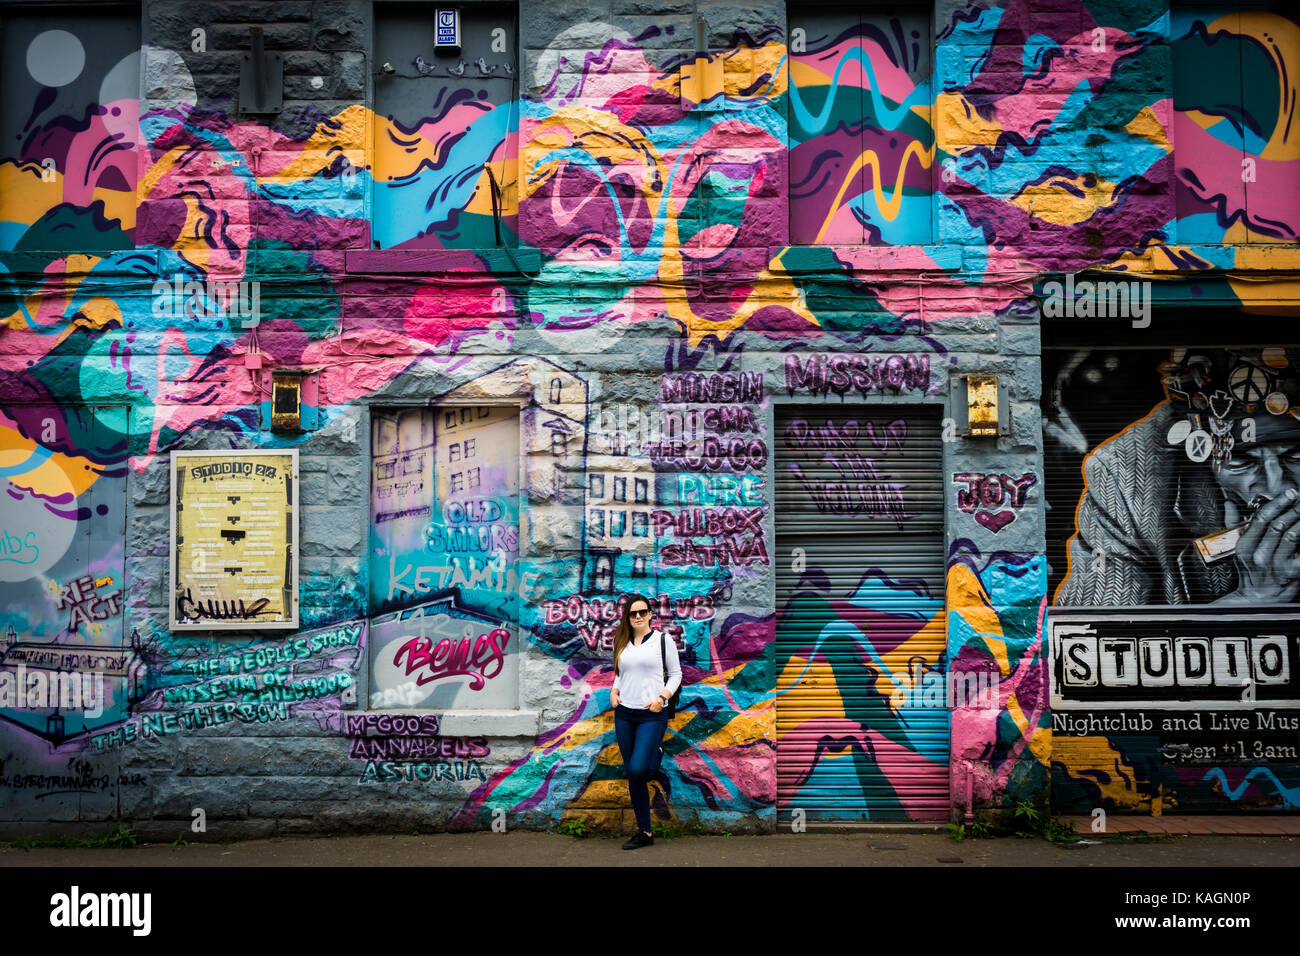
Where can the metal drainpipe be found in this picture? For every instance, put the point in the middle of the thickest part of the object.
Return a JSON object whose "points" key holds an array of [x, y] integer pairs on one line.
{"points": [[970, 790]]}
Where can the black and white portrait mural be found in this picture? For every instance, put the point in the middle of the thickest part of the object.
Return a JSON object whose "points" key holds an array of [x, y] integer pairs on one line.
{"points": [[1174, 476]]}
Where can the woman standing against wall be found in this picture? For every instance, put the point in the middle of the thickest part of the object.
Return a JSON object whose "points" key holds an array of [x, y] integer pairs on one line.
{"points": [[647, 676]]}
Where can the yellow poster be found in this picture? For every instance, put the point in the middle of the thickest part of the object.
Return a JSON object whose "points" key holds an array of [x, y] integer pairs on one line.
{"points": [[235, 529]]}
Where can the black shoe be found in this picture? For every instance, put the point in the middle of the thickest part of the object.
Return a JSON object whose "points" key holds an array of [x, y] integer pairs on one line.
{"points": [[641, 839]]}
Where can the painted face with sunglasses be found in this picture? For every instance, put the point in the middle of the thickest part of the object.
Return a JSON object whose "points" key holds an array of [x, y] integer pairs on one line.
{"points": [[647, 673]]}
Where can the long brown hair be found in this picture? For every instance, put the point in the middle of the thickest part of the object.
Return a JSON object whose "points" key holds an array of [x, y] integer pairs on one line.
{"points": [[624, 632]]}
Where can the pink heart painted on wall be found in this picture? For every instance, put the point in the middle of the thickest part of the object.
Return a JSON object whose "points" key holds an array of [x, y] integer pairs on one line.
{"points": [[995, 521]]}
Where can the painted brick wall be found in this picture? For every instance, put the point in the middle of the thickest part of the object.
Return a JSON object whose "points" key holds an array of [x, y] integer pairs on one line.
{"points": [[647, 201]]}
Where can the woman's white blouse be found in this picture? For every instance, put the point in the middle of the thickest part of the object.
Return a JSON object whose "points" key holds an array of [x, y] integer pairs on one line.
{"points": [[641, 672]]}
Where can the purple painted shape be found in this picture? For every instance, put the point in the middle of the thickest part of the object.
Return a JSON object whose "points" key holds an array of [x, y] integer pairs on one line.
{"points": [[744, 638], [159, 222], [995, 521]]}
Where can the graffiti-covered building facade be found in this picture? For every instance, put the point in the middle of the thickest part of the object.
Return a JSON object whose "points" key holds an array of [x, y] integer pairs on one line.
{"points": [[929, 368]]}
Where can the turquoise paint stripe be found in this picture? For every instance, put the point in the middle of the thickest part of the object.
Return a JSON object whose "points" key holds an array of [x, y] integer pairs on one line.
{"points": [[449, 187], [39, 455], [890, 115]]}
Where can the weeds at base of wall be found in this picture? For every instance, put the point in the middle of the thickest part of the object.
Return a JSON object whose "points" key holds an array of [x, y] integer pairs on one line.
{"points": [[1027, 821], [579, 827], [976, 831], [671, 831], [1033, 821], [121, 838]]}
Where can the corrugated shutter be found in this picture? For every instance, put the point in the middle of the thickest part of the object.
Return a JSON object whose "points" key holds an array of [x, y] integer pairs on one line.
{"points": [[1126, 539], [860, 598], [1091, 396]]}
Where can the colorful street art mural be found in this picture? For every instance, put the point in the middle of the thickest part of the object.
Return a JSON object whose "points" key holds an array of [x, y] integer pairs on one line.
{"points": [[1237, 143], [861, 143], [628, 242], [63, 568], [440, 122], [1175, 489], [860, 627], [717, 755], [1001, 737]]}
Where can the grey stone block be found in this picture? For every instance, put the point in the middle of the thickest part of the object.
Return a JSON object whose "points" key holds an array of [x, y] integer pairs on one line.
{"points": [[1020, 338], [330, 530], [349, 75]]}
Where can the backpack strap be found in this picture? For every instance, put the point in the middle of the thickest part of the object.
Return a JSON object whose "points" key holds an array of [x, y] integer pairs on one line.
{"points": [[671, 707]]}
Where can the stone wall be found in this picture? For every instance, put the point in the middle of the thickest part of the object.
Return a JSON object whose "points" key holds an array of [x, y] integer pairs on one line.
{"points": [[650, 192]]}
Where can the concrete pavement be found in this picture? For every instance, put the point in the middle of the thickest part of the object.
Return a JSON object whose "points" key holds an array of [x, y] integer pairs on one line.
{"points": [[815, 848]]}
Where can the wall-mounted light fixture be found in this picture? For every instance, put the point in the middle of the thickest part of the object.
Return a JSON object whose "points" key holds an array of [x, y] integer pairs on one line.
{"points": [[982, 406], [286, 402]]}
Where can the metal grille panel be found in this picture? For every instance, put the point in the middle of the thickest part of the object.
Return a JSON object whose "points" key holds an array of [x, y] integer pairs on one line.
{"points": [[860, 625]]}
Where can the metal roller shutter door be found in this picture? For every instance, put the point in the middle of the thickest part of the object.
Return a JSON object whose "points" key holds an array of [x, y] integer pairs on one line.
{"points": [[860, 613], [1124, 566]]}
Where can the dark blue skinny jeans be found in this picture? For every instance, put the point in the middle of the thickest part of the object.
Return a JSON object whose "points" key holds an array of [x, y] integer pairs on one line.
{"points": [[639, 734]]}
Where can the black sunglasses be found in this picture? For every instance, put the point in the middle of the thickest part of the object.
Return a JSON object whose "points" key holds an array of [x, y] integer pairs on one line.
{"points": [[638, 613]]}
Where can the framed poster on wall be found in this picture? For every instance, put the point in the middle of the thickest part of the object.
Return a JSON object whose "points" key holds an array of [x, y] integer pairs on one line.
{"points": [[234, 540]]}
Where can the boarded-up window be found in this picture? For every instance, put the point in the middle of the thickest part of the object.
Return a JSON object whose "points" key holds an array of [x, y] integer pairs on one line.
{"points": [[439, 117], [70, 127], [444, 561], [1236, 132], [860, 135]]}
